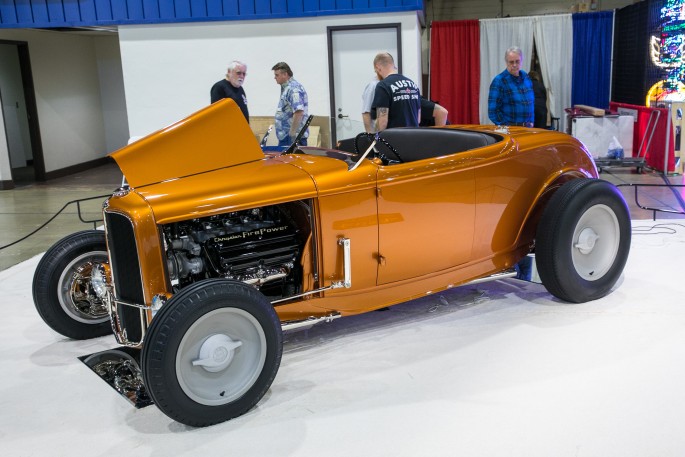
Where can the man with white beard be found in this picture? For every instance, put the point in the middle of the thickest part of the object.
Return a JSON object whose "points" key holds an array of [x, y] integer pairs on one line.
{"points": [[232, 87]]}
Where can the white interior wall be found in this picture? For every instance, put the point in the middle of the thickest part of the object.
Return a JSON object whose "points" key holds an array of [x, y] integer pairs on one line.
{"points": [[170, 68], [112, 96], [67, 89]]}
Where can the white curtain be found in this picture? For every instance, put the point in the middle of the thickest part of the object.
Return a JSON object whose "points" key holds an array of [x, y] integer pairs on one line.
{"points": [[496, 36], [554, 44]]}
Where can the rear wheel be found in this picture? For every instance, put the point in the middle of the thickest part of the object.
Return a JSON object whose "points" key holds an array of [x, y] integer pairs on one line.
{"points": [[212, 352], [583, 240], [62, 291]]}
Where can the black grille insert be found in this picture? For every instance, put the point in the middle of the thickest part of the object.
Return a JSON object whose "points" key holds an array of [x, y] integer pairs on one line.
{"points": [[125, 273]]}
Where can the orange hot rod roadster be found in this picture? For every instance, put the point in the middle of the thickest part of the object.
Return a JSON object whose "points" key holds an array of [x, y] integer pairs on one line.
{"points": [[213, 248]]}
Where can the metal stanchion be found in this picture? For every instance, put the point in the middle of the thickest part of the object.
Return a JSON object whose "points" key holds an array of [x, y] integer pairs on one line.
{"points": [[668, 138]]}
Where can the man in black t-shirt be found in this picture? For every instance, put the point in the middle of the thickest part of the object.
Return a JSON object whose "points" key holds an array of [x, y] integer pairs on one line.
{"points": [[232, 87], [397, 98], [432, 114]]}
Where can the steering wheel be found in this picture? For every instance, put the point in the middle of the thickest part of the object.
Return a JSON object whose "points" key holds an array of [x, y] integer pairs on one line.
{"points": [[383, 157], [360, 136]]}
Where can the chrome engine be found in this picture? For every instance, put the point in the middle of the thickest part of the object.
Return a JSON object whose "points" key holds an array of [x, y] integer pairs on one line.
{"points": [[260, 246]]}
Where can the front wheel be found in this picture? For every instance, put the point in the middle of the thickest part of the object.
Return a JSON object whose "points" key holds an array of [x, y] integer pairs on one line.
{"points": [[583, 240], [212, 352], [62, 291]]}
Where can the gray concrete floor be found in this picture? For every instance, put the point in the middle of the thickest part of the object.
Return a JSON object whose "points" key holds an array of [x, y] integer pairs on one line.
{"points": [[640, 195], [31, 204]]}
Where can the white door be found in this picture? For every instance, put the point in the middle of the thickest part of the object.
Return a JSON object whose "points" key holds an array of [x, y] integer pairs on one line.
{"points": [[352, 56]]}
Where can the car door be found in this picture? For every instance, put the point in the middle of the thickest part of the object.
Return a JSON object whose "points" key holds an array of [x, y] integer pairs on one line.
{"points": [[426, 214]]}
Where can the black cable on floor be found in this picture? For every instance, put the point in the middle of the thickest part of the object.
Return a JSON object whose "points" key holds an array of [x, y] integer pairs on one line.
{"points": [[667, 228], [77, 202]]}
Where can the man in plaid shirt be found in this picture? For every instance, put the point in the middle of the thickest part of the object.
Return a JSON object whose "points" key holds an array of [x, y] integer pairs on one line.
{"points": [[511, 100]]}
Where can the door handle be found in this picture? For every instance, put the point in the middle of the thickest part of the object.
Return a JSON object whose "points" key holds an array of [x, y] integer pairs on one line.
{"points": [[341, 115]]}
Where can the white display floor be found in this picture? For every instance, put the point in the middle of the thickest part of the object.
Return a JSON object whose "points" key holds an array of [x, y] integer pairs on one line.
{"points": [[496, 369]]}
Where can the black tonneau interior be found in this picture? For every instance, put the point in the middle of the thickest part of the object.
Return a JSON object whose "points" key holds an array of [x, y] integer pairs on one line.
{"points": [[416, 143]]}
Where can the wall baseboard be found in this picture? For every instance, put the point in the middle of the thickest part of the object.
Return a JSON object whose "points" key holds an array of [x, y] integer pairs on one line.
{"points": [[77, 168], [6, 185]]}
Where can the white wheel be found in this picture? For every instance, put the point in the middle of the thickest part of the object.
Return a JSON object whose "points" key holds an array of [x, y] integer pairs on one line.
{"points": [[583, 240], [211, 352], [596, 239], [221, 356]]}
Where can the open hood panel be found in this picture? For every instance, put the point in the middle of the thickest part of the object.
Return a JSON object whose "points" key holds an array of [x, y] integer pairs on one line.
{"points": [[215, 137]]}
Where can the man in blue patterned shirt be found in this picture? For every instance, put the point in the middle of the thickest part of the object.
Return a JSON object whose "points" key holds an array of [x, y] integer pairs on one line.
{"points": [[511, 100], [293, 106]]}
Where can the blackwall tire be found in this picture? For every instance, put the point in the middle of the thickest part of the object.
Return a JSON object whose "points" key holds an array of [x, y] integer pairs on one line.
{"points": [[212, 352], [583, 240], [61, 286]]}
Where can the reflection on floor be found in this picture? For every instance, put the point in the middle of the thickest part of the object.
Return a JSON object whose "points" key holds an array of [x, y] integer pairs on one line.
{"points": [[120, 369], [495, 369]]}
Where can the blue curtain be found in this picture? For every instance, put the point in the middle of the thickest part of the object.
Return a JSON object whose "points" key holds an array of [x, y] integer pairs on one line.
{"points": [[592, 34]]}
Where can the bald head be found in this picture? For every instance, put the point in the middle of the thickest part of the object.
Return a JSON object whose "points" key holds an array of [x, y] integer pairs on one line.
{"points": [[384, 64]]}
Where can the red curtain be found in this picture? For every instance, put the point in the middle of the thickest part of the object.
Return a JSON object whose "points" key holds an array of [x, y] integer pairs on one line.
{"points": [[455, 69]]}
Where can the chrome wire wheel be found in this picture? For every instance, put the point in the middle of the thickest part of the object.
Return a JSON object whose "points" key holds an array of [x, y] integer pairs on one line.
{"points": [[74, 292], [62, 288]]}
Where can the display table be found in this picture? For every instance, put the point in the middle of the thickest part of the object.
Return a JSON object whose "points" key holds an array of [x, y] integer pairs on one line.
{"points": [[654, 155], [596, 132]]}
